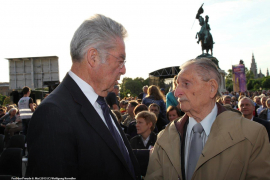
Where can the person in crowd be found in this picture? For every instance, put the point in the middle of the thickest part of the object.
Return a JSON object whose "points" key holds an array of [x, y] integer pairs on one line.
{"points": [[219, 100], [161, 122], [257, 103], [16, 127], [119, 119], [8, 118], [234, 102], [130, 114], [236, 148], [155, 96], [112, 99], [2, 112], [265, 114], [9, 107], [144, 93], [123, 105], [145, 124], [246, 107], [263, 106], [226, 99], [131, 130], [240, 97], [73, 133], [171, 100], [173, 113], [26, 108], [162, 90]]}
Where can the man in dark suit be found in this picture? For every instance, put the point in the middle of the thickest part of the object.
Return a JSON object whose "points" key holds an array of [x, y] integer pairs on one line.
{"points": [[246, 106], [73, 133]]}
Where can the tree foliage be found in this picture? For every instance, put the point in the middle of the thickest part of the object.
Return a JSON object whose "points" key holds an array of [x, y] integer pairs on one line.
{"points": [[132, 86], [2, 98], [7, 100], [252, 84]]}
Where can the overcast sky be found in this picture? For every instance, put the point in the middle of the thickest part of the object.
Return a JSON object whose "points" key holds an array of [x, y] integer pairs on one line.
{"points": [[160, 32]]}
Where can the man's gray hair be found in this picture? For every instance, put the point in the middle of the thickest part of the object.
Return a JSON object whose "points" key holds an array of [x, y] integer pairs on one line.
{"points": [[226, 96], [99, 32], [144, 87], [250, 100], [207, 69], [12, 109]]}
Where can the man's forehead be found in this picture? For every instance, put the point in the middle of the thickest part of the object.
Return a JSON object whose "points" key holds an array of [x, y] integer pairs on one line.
{"points": [[186, 71]]}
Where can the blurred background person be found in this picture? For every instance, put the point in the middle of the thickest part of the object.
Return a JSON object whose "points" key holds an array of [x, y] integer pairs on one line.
{"points": [[265, 114], [112, 99], [173, 113], [161, 122], [154, 95], [263, 106], [8, 118], [246, 107], [171, 100], [144, 93]]}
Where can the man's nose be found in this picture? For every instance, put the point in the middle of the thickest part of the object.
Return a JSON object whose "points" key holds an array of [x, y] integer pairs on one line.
{"points": [[178, 91], [123, 70]]}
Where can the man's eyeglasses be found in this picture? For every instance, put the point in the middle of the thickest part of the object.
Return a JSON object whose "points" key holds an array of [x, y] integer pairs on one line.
{"points": [[122, 62]]}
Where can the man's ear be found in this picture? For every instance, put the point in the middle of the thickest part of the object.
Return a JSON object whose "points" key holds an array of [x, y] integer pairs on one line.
{"points": [[213, 87], [92, 57]]}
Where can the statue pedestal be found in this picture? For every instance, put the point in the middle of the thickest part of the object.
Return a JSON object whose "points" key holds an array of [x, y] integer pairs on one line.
{"points": [[222, 73]]}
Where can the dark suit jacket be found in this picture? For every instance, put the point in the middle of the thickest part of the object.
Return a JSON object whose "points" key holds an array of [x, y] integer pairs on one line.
{"points": [[265, 123], [137, 143], [67, 138], [263, 114]]}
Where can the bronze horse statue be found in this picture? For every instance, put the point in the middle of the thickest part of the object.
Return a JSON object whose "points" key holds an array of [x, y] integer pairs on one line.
{"points": [[205, 37]]}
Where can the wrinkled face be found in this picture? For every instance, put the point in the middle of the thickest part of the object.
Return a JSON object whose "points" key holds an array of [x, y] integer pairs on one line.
{"points": [[246, 108], [109, 72], [173, 115], [227, 101], [154, 110], [142, 126], [191, 91]]}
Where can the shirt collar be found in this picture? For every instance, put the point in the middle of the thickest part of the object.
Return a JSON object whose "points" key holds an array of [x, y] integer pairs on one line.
{"points": [[206, 122], [85, 87]]}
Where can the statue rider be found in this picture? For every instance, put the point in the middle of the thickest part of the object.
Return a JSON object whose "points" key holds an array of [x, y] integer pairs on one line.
{"points": [[205, 29]]}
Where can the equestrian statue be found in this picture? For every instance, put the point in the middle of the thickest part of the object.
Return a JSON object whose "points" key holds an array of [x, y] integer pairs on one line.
{"points": [[205, 37]]}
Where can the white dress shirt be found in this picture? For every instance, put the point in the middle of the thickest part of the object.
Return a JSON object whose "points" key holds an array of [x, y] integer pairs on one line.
{"points": [[92, 96], [146, 140], [206, 124]]}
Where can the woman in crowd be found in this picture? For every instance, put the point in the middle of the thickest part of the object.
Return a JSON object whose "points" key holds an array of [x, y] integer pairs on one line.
{"points": [[11, 129], [155, 96], [145, 124], [171, 100], [8, 118], [173, 113]]}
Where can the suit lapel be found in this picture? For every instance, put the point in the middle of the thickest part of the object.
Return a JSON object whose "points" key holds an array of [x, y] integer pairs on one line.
{"points": [[225, 132], [93, 118]]}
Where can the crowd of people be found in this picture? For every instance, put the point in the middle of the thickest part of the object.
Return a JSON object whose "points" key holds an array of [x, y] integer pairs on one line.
{"points": [[82, 130]]}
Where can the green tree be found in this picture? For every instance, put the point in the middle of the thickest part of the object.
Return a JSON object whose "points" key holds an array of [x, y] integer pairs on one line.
{"points": [[266, 83], [132, 86], [2, 98], [7, 101], [228, 81]]}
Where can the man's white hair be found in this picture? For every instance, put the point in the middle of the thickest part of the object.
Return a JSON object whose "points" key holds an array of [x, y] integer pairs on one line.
{"points": [[207, 69], [99, 32]]}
